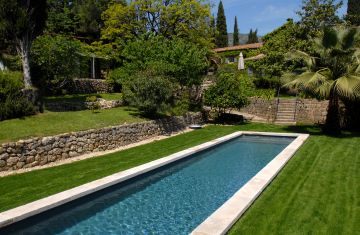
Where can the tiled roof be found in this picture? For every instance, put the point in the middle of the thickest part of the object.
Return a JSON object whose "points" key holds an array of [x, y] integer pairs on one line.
{"points": [[239, 47]]}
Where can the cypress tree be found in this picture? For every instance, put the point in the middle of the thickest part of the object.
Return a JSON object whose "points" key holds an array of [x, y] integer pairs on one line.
{"points": [[353, 12], [236, 33], [221, 39], [253, 38], [250, 37], [213, 27]]}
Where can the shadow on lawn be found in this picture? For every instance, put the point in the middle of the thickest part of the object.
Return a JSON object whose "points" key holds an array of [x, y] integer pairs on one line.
{"points": [[316, 130]]}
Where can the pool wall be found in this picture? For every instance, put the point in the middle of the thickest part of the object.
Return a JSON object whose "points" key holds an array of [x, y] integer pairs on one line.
{"points": [[218, 223]]}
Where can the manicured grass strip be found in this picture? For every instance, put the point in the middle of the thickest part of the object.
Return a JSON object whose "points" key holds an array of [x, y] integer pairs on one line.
{"points": [[52, 123], [318, 192]]}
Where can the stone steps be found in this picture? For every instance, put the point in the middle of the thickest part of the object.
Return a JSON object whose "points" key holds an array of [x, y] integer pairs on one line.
{"points": [[285, 112]]}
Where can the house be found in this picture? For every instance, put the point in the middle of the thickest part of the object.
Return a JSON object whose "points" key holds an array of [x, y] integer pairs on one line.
{"points": [[231, 54]]}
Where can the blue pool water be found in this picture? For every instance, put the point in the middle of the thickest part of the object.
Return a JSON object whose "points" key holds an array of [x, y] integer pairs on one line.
{"points": [[172, 200]]}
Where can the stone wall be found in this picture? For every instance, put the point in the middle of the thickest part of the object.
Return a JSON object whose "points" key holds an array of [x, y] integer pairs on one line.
{"points": [[307, 110], [311, 111], [88, 86], [41, 151], [63, 106], [262, 108]]}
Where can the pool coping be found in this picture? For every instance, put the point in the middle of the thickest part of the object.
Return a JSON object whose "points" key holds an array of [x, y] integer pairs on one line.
{"points": [[218, 223]]}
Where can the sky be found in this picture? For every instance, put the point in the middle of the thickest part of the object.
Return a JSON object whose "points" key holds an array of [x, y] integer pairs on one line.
{"points": [[264, 15]]}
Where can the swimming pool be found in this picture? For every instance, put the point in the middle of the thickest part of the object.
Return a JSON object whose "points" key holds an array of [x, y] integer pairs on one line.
{"points": [[172, 199]]}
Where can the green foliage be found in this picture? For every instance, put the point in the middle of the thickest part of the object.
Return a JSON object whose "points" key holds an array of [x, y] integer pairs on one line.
{"points": [[315, 14], [353, 12], [276, 44], [253, 38], [267, 82], [80, 18], [229, 92], [221, 39], [12, 102], [150, 94], [188, 20], [93, 103], [333, 72], [55, 60], [181, 61], [236, 33], [20, 23], [61, 18]]}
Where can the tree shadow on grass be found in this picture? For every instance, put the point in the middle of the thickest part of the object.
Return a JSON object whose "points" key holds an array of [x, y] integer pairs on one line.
{"points": [[316, 130]]}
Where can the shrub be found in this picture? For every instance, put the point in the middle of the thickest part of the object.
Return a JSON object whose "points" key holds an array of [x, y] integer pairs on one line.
{"points": [[150, 94], [13, 104], [93, 103], [267, 82], [229, 92]]}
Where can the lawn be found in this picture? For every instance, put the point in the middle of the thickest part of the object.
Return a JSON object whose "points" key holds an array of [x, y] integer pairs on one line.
{"points": [[52, 123], [316, 193]]}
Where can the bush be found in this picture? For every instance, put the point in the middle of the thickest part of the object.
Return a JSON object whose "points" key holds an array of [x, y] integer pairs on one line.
{"points": [[267, 82], [150, 94], [229, 92], [13, 104]]}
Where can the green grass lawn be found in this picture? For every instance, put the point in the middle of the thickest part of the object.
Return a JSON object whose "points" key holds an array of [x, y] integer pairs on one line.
{"points": [[52, 123], [318, 192], [82, 97]]}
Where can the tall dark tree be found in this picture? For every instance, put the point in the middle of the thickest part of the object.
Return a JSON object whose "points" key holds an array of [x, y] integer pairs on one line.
{"points": [[213, 27], [21, 21], [236, 33], [221, 39], [89, 14], [61, 17], [253, 38], [353, 12]]}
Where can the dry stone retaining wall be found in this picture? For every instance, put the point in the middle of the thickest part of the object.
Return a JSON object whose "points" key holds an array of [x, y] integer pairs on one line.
{"points": [[62, 106], [40, 151], [88, 86], [307, 110]]}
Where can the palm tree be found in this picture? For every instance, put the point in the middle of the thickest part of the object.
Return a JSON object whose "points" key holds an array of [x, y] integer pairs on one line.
{"points": [[334, 73]]}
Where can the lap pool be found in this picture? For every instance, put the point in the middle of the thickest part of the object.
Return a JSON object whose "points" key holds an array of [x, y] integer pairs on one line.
{"points": [[172, 199]]}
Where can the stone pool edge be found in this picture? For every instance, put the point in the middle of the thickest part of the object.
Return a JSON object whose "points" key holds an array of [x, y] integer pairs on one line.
{"points": [[36, 207], [220, 221]]}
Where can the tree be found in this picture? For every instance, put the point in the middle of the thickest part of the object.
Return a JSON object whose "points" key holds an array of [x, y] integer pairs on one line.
{"points": [[253, 38], [213, 27], [61, 18], [353, 12], [21, 22], [55, 61], [221, 39], [315, 14], [333, 72], [288, 37], [188, 19], [229, 92], [236, 33]]}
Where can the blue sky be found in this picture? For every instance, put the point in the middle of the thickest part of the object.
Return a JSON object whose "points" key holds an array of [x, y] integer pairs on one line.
{"points": [[265, 15]]}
